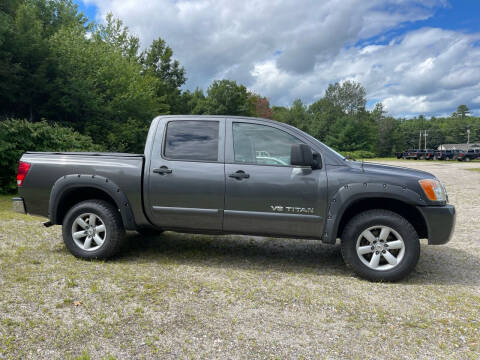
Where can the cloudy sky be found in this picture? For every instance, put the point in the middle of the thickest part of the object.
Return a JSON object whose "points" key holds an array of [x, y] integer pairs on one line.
{"points": [[414, 56]]}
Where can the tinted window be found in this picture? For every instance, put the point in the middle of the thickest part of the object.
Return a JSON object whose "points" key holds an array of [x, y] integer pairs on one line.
{"points": [[260, 144], [192, 140]]}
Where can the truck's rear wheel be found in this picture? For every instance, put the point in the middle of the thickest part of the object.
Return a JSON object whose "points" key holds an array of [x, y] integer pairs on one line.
{"points": [[93, 229], [380, 245]]}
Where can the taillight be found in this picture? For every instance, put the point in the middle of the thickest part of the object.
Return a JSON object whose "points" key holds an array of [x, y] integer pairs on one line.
{"points": [[23, 168]]}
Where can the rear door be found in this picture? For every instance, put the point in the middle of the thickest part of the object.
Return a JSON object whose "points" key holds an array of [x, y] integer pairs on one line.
{"points": [[186, 174], [264, 193]]}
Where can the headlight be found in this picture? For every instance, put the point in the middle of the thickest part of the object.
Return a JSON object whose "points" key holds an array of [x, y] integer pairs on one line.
{"points": [[433, 189]]}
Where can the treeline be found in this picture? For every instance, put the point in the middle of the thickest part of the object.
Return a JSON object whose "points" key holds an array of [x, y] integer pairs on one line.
{"points": [[95, 79]]}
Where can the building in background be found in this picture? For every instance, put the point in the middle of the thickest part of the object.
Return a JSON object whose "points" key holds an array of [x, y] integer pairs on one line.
{"points": [[463, 147]]}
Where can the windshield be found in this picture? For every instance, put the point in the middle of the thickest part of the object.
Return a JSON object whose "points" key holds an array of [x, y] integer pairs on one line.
{"points": [[335, 152], [328, 147]]}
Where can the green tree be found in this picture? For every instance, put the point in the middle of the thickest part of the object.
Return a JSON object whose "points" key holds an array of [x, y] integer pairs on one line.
{"points": [[281, 113], [462, 111], [26, 66], [348, 96], [299, 116], [18, 136], [352, 133], [387, 127], [158, 61], [324, 114], [114, 33], [101, 92], [194, 102], [226, 97], [296, 115]]}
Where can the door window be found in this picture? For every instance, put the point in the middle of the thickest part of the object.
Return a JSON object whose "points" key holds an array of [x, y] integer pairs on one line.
{"points": [[192, 140], [261, 144]]}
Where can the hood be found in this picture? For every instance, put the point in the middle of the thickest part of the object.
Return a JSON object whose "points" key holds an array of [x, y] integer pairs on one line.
{"points": [[396, 170], [399, 173]]}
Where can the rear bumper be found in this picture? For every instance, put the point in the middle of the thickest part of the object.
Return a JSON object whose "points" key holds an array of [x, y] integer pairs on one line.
{"points": [[440, 223], [18, 205]]}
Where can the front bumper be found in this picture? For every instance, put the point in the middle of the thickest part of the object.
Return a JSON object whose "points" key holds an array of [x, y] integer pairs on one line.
{"points": [[440, 223], [18, 205]]}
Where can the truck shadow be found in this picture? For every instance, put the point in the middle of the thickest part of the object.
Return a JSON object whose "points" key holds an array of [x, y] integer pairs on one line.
{"points": [[437, 265]]}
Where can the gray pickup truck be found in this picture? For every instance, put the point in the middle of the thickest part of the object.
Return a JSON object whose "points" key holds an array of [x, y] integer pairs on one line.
{"points": [[238, 175]]}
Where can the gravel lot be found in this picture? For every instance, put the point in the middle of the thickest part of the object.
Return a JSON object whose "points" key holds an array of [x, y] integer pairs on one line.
{"points": [[188, 296]]}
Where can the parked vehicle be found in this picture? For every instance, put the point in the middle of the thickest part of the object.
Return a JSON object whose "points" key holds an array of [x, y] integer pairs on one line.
{"points": [[413, 154], [469, 155], [400, 154], [208, 174], [446, 154], [428, 154]]}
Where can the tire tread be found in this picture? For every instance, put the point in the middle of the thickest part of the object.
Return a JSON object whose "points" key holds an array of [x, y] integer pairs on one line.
{"points": [[379, 216], [116, 232]]}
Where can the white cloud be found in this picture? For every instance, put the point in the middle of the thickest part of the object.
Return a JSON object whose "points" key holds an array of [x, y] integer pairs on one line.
{"points": [[293, 49]]}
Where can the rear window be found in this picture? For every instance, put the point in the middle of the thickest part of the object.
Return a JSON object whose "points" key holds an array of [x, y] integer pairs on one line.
{"points": [[192, 140]]}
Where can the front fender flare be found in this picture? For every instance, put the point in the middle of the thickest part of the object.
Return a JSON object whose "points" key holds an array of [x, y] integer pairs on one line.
{"points": [[348, 194], [67, 183]]}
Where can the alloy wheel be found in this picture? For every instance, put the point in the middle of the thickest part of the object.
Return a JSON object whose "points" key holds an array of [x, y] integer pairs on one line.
{"points": [[89, 232], [380, 248]]}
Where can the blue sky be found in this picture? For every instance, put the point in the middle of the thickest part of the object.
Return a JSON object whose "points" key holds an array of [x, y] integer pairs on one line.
{"points": [[459, 15], [90, 10], [413, 56]]}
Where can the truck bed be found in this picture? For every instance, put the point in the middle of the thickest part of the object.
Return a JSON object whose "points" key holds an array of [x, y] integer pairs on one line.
{"points": [[123, 169], [110, 154]]}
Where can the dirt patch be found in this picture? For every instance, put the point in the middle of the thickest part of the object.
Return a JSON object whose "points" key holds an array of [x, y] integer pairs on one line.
{"points": [[188, 296]]}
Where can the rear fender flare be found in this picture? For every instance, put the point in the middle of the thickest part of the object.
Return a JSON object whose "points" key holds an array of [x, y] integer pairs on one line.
{"points": [[67, 183], [348, 194]]}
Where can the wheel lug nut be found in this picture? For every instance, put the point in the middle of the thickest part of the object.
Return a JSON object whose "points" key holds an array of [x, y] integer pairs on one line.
{"points": [[384, 251], [373, 247], [376, 252], [386, 245], [374, 241]]}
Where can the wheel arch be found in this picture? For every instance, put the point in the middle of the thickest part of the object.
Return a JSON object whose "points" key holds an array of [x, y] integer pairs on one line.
{"points": [[409, 212], [352, 199], [72, 189]]}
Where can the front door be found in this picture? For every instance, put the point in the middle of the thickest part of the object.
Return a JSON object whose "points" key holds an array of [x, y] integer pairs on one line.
{"points": [[186, 175], [264, 193]]}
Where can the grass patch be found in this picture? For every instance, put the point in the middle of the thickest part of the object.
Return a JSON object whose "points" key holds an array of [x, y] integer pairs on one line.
{"points": [[474, 169]]}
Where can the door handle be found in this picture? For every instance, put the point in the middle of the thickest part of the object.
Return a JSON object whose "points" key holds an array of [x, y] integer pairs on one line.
{"points": [[162, 170], [239, 175]]}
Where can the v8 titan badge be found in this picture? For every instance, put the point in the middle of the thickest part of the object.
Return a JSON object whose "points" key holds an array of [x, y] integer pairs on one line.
{"points": [[292, 209]]}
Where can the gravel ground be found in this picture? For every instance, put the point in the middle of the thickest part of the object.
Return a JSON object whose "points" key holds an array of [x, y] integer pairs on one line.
{"points": [[188, 296]]}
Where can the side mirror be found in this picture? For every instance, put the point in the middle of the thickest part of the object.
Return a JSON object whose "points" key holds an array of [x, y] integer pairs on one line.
{"points": [[301, 155], [317, 161]]}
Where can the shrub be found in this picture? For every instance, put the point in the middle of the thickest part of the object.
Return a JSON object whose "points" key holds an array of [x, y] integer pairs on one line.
{"points": [[18, 136], [358, 154]]}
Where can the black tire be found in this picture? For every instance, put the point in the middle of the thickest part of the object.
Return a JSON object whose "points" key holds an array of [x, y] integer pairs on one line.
{"points": [[109, 215], [149, 232], [380, 217]]}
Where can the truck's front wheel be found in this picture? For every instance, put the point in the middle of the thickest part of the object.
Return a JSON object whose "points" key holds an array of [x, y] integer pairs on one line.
{"points": [[93, 229], [380, 245]]}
